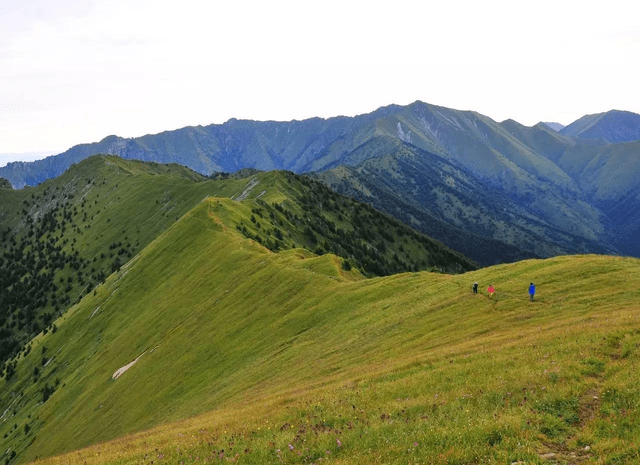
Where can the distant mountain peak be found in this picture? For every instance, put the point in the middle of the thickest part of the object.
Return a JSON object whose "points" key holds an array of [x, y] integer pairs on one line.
{"points": [[612, 126], [555, 126]]}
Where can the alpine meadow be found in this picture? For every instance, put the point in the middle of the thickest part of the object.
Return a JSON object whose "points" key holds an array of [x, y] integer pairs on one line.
{"points": [[177, 313]]}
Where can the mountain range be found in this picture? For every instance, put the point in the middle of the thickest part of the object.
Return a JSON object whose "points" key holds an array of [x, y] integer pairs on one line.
{"points": [[494, 191]]}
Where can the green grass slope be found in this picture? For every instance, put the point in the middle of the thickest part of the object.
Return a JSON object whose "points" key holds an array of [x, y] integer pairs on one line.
{"points": [[62, 238], [292, 359]]}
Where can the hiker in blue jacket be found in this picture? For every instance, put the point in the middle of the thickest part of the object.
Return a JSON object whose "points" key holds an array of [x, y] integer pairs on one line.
{"points": [[532, 291]]}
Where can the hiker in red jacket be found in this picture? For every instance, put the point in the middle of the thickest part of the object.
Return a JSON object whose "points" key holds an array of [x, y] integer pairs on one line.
{"points": [[491, 290]]}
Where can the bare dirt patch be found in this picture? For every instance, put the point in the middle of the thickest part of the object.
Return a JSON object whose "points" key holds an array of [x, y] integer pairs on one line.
{"points": [[121, 370]]}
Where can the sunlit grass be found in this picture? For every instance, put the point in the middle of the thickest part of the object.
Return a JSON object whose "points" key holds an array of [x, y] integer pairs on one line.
{"points": [[263, 358]]}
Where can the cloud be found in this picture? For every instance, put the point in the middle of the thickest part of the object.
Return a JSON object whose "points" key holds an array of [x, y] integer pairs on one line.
{"points": [[75, 71]]}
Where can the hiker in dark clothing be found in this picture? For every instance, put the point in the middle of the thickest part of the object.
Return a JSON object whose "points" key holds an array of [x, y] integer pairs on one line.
{"points": [[532, 291], [475, 288]]}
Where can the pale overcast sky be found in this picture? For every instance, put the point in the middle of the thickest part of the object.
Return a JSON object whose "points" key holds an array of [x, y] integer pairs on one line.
{"points": [[75, 71]]}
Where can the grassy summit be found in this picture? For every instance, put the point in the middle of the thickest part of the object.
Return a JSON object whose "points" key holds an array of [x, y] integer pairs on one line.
{"points": [[263, 357]]}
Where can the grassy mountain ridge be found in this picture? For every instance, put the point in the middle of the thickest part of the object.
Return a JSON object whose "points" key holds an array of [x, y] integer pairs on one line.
{"points": [[539, 138], [298, 359], [477, 142], [65, 236], [612, 126]]}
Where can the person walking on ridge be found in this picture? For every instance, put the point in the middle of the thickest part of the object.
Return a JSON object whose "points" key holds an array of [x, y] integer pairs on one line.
{"points": [[491, 290], [475, 288], [532, 291]]}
